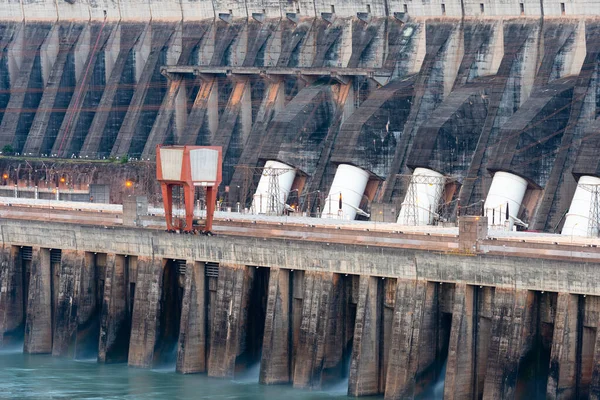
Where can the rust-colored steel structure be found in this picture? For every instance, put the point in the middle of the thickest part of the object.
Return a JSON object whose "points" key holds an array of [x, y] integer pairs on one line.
{"points": [[189, 167]]}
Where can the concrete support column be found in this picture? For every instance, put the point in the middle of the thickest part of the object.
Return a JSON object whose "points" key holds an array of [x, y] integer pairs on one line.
{"points": [[562, 378], [72, 265], [365, 362], [144, 319], [310, 351], [510, 337], [38, 323], [411, 352], [191, 353], [115, 324], [11, 291], [276, 361], [459, 383], [228, 327]]}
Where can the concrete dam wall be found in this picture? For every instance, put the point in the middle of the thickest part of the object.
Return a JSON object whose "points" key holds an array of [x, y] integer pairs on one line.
{"points": [[462, 88], [390, 320]]}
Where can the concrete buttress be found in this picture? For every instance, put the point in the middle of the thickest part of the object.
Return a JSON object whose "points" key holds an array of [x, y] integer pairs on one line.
{"points": [[115, 324], [459, 381], [276, 361], [409, 345], [192, 349], [72, 266], [144, 319], [38, 323], [227, 338], [510, 339], [365, 363], [11, 292], [562, 377], [310, 351]]}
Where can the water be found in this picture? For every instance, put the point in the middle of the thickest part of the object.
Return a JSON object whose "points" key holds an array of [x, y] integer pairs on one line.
{"points": [[45, 377]]}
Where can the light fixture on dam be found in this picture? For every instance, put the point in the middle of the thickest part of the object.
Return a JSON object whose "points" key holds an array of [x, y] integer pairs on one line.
{"points": [[346, 193], [273, 188], [507, 191], [582, 218], [422, 198]]}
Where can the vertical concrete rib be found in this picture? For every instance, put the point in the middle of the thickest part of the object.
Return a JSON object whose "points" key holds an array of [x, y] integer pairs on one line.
{"points": [[145, 316], [11, 292], [562, 377], [72, 266], [63, 145], [109, 102], [192, 346], [405, 362], [365, 364], [38, 323], [131, 124], [228, 325], [310, 353], [510, 339], [459, 382], [276, 360], [8, 31], [41, 136], [24, 96], [115, 324]]}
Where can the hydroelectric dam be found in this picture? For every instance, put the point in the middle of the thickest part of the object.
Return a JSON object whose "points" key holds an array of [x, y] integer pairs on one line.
{"points": [[438, 160]]}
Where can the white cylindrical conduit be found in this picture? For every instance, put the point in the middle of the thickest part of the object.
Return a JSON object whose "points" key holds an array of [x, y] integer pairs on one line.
{"points": [[350, 182], [263, 202], [506, 189], [422, 198], [577, 222]]}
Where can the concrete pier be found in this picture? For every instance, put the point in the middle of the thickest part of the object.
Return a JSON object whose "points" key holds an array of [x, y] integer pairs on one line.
{"points": [[227, 338], [38, 321], [192, 351], [12, 293], [145, 316], [115, 325]]}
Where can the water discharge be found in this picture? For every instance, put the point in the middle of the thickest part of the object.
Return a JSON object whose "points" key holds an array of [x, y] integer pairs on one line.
{"points": [[44, 377]]}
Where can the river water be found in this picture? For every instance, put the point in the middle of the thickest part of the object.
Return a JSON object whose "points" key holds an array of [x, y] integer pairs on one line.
{"points": [[45, 377]]}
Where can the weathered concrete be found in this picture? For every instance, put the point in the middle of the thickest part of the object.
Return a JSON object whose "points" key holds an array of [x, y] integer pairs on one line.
{"points": [[38, 322], [70, 293], [459, 382], [276, 361], [365, 362], [510, 338], [115, 325], [310, 352], [229, 321], [192, 351], [12, 316], [412, 349], [145, 317], [562, 378]]}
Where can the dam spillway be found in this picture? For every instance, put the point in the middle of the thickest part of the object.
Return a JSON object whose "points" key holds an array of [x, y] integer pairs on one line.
{"points": [[467, 90], [493, 317]]}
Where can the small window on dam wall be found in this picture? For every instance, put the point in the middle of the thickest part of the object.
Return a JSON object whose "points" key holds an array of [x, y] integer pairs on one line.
{"points": [[562, 8], [332, 9], [482, 8], [522, 6], [443, 9], [369, 8], [405, 9]]}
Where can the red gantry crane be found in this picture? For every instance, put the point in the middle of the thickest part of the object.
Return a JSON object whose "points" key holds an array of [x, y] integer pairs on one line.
{"points": [[189, 167]]}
